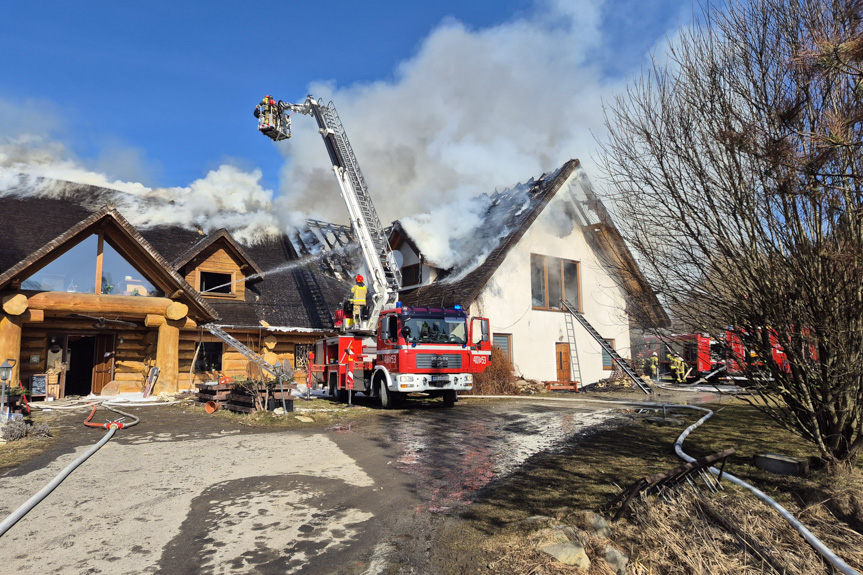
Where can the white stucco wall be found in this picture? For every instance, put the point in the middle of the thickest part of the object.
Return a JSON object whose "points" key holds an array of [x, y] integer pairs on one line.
{"points": [[506, 300]]}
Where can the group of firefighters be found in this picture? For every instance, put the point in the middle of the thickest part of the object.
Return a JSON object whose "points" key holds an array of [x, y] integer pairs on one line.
{"points": [[676, 364]]}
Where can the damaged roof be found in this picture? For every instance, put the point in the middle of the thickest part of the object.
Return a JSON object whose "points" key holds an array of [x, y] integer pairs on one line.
{"points": [[294, 294], [510, 214]]}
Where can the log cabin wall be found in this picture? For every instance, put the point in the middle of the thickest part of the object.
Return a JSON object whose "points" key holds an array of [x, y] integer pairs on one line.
{"points": [[273, 348], [216, 259], [133, 355]]}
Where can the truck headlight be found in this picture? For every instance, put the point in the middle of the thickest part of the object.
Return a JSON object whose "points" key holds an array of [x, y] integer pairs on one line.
{"points": [[468, 378], [408, 378]]}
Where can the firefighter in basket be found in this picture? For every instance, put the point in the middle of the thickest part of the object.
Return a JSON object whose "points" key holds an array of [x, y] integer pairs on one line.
{"points": [[265, 113], [358, 299]]}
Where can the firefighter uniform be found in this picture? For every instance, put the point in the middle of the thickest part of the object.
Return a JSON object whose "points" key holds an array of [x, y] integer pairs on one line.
{"points": [[678, 367], [654, 367], [358, 298]]}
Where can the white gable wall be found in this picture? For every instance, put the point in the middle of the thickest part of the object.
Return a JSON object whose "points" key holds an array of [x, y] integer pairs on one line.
{"points": [[506, 300]]}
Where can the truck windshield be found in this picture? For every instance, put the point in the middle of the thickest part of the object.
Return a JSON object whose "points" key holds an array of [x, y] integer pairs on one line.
{"points": [[419, 329]]}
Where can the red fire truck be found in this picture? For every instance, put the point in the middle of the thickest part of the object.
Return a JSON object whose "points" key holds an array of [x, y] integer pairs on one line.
{"points": [[712, 360], [391, 350]]}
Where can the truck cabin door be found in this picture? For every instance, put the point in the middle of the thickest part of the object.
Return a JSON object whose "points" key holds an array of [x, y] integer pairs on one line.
{"points": [[480, 336], [388, 332]]}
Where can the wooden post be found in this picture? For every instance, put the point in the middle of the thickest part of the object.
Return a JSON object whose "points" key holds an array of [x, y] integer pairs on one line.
{"points": [[167, 357], [10, 344]]}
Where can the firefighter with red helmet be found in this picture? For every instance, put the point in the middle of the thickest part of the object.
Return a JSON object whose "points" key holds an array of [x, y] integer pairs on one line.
{"points": [[264, 113], [358, 298]]}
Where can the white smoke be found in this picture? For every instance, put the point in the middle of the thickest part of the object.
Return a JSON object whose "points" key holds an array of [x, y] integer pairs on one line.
{"points": [[226, 198], [473, 110]]}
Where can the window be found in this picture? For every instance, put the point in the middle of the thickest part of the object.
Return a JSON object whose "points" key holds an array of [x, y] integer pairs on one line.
{"points": [[553, 279], [76, 271], [412, 275], [209, 356], [607, 360], [301, 355], [213, 283], [503, 341]]}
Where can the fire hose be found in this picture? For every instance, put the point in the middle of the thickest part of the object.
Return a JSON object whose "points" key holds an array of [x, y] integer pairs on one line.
{"points": [[111, 426], [810, 538]]}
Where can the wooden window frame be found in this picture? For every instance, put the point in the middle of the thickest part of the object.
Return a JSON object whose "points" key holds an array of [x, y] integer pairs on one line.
{"points": [[233, 275], [560, 262]]}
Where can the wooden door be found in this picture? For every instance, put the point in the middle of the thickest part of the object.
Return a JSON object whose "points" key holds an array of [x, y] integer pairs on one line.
{"points": [[103, 361], [561, 352]]}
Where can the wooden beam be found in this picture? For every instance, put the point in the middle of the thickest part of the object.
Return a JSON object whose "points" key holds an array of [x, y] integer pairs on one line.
{"points": [[33, 316], [92, 303], [100, 248], [153, 320], [14, 303], [176, 310]]}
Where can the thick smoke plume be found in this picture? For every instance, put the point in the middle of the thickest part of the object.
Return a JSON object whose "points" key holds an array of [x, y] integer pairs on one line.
{"points": [[473, 110]]}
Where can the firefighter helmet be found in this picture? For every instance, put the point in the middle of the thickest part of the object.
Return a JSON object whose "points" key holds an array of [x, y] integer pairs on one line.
{"points": [[360, 279]]}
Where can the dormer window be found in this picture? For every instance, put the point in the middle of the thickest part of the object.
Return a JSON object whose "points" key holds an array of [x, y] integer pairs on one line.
{"points": [[214, 283]]}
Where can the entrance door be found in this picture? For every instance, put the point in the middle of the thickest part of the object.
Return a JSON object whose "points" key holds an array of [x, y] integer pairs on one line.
{"points": [[561, 352], [79, 355], [103, 362]]}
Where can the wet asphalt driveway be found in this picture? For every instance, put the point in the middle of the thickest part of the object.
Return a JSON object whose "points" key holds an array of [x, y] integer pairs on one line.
{"points": [[184, 492]]}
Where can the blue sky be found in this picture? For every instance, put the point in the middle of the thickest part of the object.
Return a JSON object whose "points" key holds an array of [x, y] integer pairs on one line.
{"points": [[441, 99]]}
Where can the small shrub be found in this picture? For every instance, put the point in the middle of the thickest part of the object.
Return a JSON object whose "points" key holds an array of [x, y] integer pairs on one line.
{"points": [[19, 429], [498, 378]]}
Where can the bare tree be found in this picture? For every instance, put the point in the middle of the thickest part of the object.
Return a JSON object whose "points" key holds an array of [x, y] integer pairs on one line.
{"points": [[737, 165]]}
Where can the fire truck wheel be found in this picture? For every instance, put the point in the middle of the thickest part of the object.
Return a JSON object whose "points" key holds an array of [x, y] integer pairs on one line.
{"points": [[387, 399], [449, 396]]}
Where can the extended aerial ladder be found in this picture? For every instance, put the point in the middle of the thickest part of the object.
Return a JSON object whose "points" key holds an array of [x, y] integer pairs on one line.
{"points": [[378, 257]]}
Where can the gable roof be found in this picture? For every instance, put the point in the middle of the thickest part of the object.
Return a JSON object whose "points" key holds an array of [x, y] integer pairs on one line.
{"points": [[155, 267], [516, 218], [207, 241], [297, 294]]}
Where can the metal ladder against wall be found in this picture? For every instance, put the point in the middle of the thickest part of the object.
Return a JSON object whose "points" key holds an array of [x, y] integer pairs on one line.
{"points": [[624, 366], [248, 353], [574, 365], [369, 215]]}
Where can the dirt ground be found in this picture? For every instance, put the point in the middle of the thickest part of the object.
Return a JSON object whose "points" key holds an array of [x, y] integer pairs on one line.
{"points": [[354, 490]]}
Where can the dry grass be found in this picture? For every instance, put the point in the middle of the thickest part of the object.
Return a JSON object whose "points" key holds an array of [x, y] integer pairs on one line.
{"points": [[730, 532]]}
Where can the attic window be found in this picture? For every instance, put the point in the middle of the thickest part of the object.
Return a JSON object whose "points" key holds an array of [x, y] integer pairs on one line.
{"points": [[216, 283]]}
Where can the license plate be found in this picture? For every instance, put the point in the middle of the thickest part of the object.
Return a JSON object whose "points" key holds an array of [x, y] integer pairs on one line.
{"points": [[440, 378]]}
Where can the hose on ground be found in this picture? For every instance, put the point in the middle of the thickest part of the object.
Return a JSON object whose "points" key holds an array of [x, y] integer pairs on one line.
{"points": [[111, 426], [816, 543]]}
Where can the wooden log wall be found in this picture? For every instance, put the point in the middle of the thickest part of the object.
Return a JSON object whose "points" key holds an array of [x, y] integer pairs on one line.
{"points": [[235, 364], [133, 357]]}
